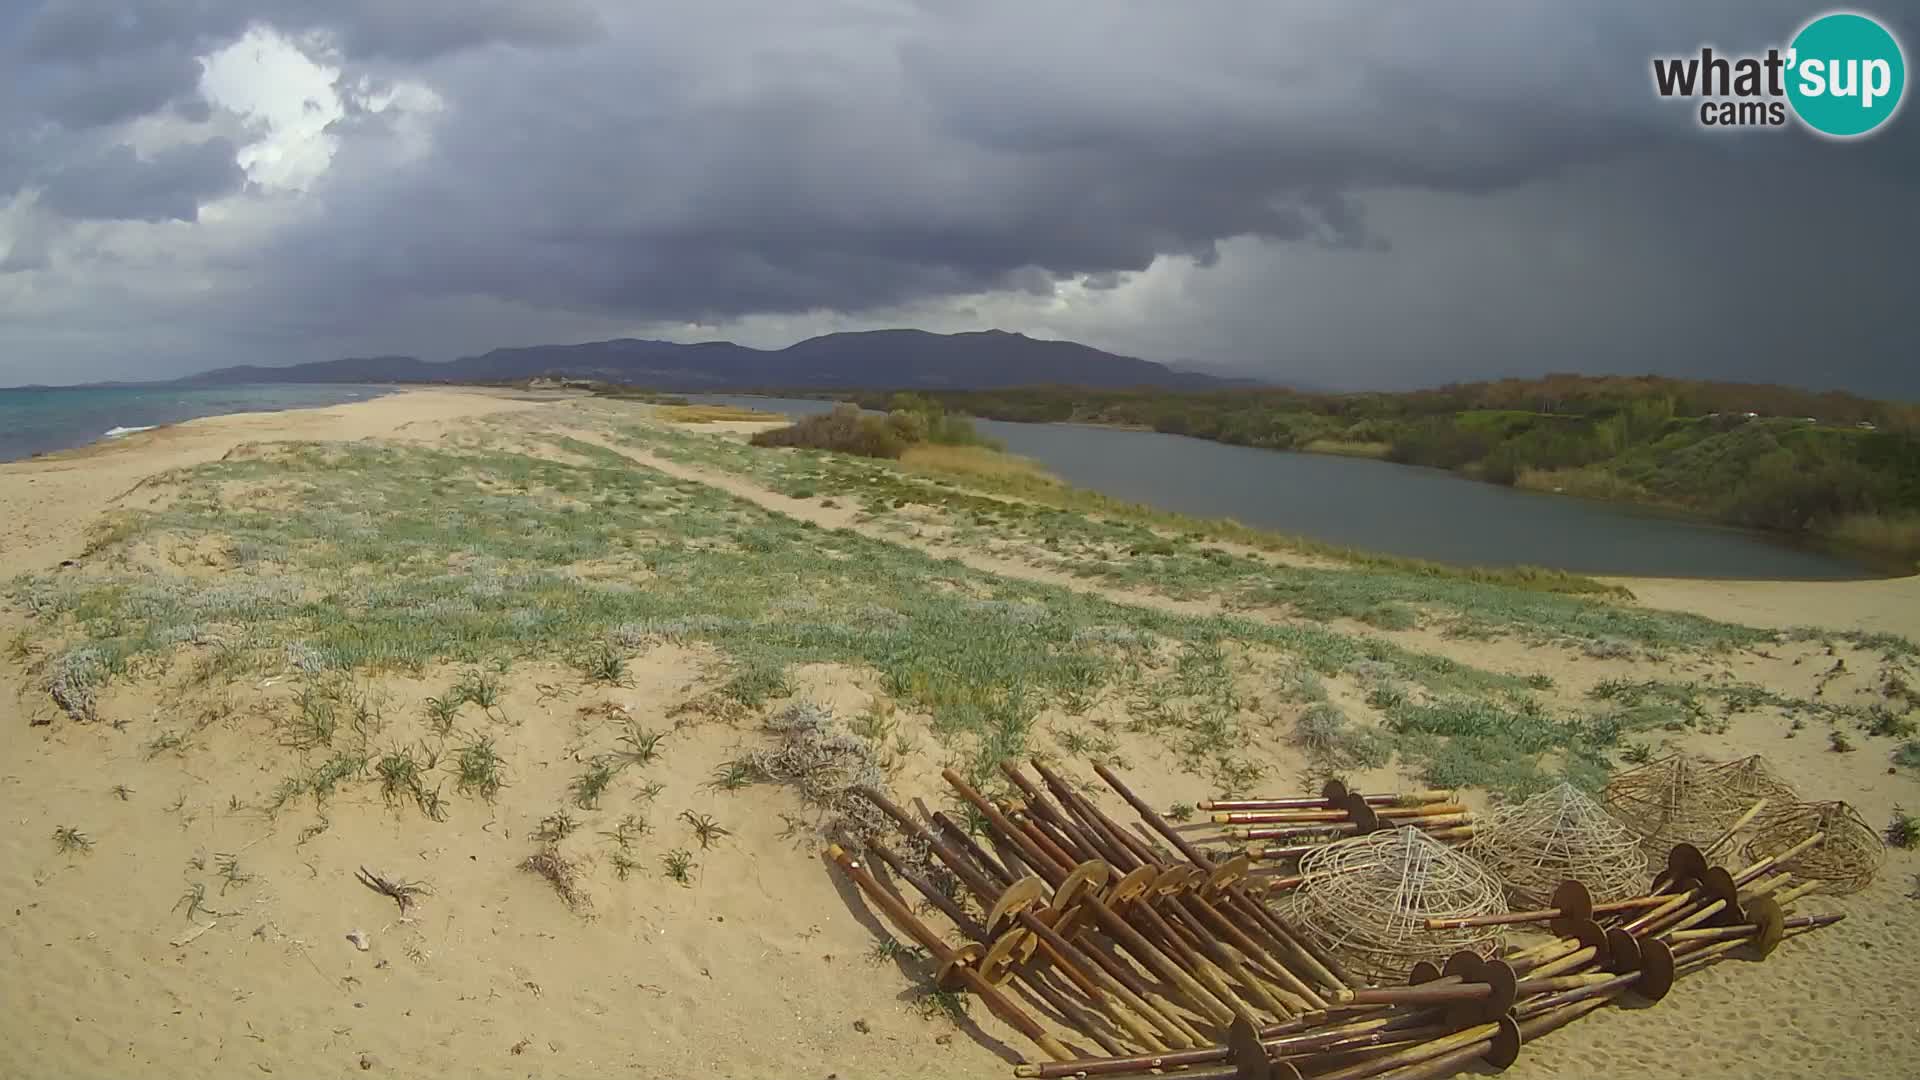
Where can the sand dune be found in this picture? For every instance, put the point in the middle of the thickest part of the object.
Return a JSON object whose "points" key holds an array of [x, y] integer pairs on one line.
{"points": [[200, 934]]}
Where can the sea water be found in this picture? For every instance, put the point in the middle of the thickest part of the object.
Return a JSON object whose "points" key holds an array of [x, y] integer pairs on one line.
{"points": [[37, 420]]}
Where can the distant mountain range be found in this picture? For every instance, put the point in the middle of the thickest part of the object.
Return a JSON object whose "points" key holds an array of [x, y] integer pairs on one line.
{"points": [[875, 359]]}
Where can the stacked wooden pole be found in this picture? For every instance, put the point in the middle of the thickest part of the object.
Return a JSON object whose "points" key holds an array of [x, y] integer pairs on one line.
{"points": [[1153, 955], [1277, 832]]}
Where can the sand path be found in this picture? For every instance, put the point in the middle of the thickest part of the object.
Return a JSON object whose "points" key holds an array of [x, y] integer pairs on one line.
{"points": [[837, 517]]}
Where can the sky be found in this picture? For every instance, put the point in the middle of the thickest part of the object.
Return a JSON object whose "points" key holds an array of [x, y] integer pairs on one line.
{"points": [[1315, 192]]}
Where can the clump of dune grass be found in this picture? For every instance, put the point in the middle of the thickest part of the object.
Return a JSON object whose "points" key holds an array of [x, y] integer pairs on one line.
{"points": [[167, 742], [604, 664], [934, 1003], [589, 786], [825, 762], [68, 840], [705, 829], [630, 828], [1903, 831], [638, 746], [403, 774], [678, 866], [1333, 744], [556, 827], [479, 770], [442, 712], [72, 678], [405, 894], [562, 874]]}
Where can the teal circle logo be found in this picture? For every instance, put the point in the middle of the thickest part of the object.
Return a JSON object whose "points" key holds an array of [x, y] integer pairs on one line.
{"points": [[1845, 75]]}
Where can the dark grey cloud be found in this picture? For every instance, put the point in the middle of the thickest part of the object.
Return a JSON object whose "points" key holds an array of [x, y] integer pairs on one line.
{"points": [[80, 96], [620, 165], [118, 185], [81, 31]]}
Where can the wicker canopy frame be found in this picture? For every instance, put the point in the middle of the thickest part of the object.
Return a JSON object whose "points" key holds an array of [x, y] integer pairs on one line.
{"points": [[1683, 798], [1534, 845], [1847, 858], [1368, 899]]}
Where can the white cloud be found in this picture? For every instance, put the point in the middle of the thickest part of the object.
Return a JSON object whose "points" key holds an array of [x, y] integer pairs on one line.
{"points": [[289, 101]]}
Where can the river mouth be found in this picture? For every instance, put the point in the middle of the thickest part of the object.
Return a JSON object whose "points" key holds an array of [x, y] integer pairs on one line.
{"points": [[1380, 507]]}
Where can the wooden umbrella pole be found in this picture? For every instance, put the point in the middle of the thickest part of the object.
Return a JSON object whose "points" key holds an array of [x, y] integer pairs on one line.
{"points": [[1436, 824], [1741, 822], [1037, 801], [1413, 1054], [1321, 802], [1152, 817], [1093, 968], [996, 1002], [1549, 914], [964, 922], [1200, 997], [1031, 827], [1007, 831], [1126, 851], [983, 890], [1707, 911], [1397, 814], [1449, 992], [1311, 957], [1252, 986], [1279, 1040], [1198, 957], [1777, 858], [1455, 1060], [1120, 980], [1235, 906], [1747, 930], [1082, 807], [957, 836], [1237, 937], [1262, 853], [1157, 961], [1247, 909]]}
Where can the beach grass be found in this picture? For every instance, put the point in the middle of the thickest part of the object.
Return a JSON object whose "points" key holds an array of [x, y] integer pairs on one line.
{"points": [[401, 559], [709, 414], [372, 560], [1091, 536]]}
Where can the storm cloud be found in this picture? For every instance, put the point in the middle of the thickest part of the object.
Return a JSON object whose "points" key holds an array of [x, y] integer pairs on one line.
{"points": [[1310, 192]]}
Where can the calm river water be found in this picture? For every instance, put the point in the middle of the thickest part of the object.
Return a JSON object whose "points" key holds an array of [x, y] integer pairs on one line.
{"points": [[1379, 506]]}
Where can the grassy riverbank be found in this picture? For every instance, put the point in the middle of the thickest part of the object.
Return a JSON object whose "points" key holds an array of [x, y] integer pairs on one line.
{"points": [[1831, 466]]}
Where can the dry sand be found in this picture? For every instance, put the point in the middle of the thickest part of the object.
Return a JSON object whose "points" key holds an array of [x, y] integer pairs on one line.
{"points": [[760, 969], [1890, 607]]}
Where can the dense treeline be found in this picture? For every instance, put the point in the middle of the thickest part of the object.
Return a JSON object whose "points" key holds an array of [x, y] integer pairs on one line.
{"points": [[1769, 457]]}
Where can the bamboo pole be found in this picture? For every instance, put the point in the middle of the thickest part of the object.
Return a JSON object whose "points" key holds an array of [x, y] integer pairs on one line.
{"points": [[1120, 981], [1322, 802], [996, 1002]]}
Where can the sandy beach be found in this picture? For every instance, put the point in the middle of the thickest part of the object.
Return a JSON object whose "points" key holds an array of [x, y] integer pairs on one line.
{"points": [[212, 924]]}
